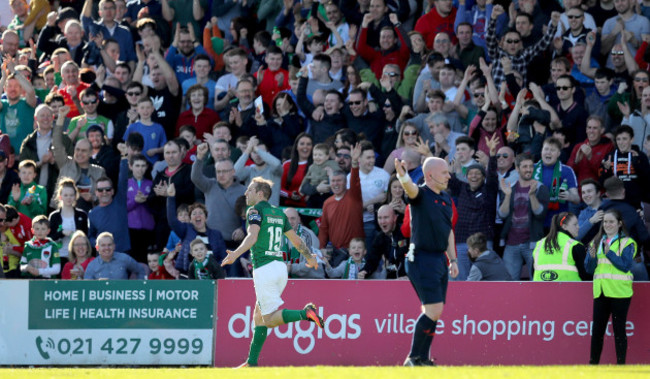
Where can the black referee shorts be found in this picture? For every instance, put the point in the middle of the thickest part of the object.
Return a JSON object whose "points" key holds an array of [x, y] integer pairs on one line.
{"points": [[429, 276]]}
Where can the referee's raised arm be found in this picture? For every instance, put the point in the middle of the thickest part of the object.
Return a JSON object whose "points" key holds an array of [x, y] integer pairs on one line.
{"points": [[410, 188]]}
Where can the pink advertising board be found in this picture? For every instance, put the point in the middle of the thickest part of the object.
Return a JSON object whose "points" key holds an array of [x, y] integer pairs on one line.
{"points": [[370, 323]]}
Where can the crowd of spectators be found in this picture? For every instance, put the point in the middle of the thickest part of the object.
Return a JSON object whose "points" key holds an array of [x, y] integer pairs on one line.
{"points": [[132, 128]]}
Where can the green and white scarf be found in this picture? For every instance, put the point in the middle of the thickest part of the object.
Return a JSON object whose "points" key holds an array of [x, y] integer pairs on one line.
{"points": [[553, 203]]}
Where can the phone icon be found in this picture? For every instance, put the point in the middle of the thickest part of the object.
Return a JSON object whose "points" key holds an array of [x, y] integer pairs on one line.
{"points": [[39, 346]]}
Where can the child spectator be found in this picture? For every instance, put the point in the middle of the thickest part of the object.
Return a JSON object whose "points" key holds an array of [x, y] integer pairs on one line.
{"points": [[350, 268], [318, 173], [140, 220], [157, 267], [203, 266], [152, 132], [28, 197], [188, 133], [41, 254]]}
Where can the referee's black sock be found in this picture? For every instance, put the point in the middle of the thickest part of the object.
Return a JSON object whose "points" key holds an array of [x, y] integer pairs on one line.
{"points": [[425, 328]]}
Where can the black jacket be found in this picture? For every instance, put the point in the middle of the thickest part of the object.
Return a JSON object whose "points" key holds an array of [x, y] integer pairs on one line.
{"points": [[80, 223], [392, 248]]}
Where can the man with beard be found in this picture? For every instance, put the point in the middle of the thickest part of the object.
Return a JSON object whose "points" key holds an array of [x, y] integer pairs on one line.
{"points": [[523, 211], [181, 54]]}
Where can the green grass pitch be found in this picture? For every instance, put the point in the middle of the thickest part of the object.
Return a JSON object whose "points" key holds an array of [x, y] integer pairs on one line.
{"points": [[327, 372]]}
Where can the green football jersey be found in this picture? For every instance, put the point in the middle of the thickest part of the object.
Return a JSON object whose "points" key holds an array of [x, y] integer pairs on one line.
{"points": [[273, 224]]}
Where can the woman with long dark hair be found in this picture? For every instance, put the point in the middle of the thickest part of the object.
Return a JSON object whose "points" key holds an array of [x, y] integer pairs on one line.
{"points": [[558, 257], [611, 255], [283, 126], [294, 170]]}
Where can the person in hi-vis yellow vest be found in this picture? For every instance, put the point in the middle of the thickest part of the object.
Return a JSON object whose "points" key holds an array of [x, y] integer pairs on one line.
{"points": [[558, 257], [611, 254]]}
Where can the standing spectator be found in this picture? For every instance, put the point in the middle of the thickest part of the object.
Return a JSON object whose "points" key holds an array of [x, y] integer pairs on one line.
{"points": [[558, 257], [152, 132], [388, 247], [283, 126], [264, 165], [523, 210], [391, 50], [79, 124], [596, 104], [190, 231], [111, 206], [199, 115], [626, 20], [109, 27], [611, 254], [177, 173], [426, 262], [486, 264], [638, 119], [28, 197], [38, 148], [8, 178], [374, 183], [220, 193], [629, 165], [591, 214], [274, 78], [512, 46], [241, 113], [558, 178], [476, 199], [344, 204], [40, 258], [439, 19], [361, 119], [18, 232], [112, 265], [73, 87], [72, 39], [294, 171], [140, 219], [237, 61], [102, 154], [67, 219], [17, 110], [203, 266], [467, 50], [202, 68], [183, 52], [325, 119], [588, 155]]}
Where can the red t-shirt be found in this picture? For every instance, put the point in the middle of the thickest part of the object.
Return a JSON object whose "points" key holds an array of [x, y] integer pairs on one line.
{"points": [[68, 99]]}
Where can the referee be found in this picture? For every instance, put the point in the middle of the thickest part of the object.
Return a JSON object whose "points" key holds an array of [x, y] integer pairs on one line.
{"points": [[426, 263]]}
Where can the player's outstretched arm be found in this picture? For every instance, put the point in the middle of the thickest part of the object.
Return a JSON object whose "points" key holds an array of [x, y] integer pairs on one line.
{"points": [[410, 188], [246, 244], [302, 248]]}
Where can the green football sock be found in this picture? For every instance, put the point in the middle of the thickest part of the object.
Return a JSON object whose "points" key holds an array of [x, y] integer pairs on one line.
{"points": [[259, 336], [291, 316]]}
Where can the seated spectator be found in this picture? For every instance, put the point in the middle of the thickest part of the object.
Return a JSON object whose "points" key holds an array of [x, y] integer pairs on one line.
{"points": [[558, 257], [203, 266], [352, 267], [486, 264], [80, 254], [28, 197], [67, 219], [157, 269], [296, 262], [9, 178], [112, 265], [40, 257], [18, 231]]}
